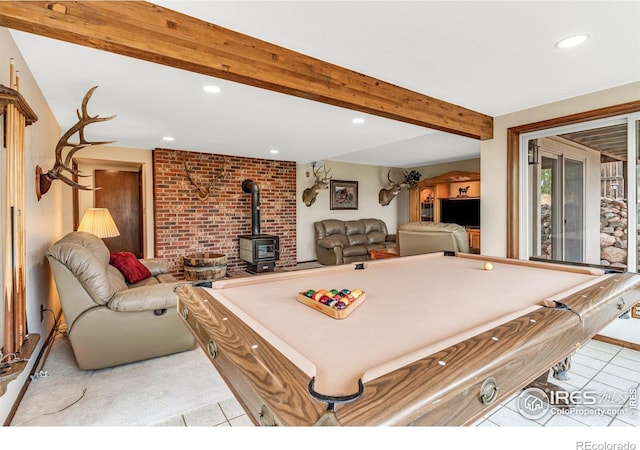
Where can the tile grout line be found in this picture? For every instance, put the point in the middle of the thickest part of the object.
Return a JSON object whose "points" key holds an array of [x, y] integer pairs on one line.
{"points": [[226, 418], [599, 371]]}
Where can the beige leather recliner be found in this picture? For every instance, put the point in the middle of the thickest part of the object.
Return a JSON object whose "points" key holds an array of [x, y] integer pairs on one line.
{"points": [[109, 322], [415, 238]]}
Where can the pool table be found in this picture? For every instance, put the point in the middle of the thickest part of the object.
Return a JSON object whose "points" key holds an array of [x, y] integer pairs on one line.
{"points": [[438, 339]]}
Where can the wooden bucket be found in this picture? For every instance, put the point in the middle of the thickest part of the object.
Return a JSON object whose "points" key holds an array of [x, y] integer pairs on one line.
{"points": [[205, 266]]}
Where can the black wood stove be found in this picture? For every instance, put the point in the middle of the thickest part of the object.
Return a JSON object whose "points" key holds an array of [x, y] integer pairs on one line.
{"points": [[261, 251]]}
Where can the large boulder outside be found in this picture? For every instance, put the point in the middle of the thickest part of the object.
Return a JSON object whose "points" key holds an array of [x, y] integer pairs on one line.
{"points": [[614, 255], [606, 240]]}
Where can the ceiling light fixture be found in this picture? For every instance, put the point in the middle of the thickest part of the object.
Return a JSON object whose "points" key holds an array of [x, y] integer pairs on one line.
{"points": [[274, 151], [358, 121], [572, 41], [211, 89], [167, 138]]}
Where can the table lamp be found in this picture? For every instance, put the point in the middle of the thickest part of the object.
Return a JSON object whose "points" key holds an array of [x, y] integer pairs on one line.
{"points": [[99, 222]]}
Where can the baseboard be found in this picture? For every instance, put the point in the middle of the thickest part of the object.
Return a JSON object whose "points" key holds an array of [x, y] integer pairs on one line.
{"points": [[43, 352], [618, 342]]}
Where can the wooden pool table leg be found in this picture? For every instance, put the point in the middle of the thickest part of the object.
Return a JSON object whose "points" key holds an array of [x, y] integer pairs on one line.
{"points": [[561, 368], [559, 372]]}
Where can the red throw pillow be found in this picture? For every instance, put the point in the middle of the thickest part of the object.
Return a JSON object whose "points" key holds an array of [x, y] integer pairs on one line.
{"points": [[132, 269]]}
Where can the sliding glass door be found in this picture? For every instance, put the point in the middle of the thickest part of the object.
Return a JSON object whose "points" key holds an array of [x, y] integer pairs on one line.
{"points": [[557, 204], [578, 184], [573, 238], [545, 207]]}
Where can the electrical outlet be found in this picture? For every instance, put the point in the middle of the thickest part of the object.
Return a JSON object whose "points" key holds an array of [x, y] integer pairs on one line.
{"points": [[41, 313]]}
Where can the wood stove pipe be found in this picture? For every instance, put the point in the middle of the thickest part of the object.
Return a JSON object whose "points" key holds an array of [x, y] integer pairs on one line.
{"points": [[249, 186]]}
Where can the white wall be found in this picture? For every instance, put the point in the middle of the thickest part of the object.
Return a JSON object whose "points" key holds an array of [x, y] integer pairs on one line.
{"points": [[494, 156], [43, 218], [627, 330], [370, 180]]}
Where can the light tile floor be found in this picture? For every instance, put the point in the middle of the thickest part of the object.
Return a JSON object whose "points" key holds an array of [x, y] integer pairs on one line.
{"points": [[227, 413], [599, 367], [610, 372]]}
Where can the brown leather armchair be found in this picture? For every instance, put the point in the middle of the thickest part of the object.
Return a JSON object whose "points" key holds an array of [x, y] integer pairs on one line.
{"points": [[108, 321], [415, 238], [345, 241]]}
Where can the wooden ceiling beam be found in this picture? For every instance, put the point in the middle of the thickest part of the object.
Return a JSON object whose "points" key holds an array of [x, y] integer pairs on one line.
{"points": [[152, 33]]}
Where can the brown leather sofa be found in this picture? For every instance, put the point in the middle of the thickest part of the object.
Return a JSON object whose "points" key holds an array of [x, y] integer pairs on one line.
{"points": [[415, 238], [108, 321], [345, 241]]}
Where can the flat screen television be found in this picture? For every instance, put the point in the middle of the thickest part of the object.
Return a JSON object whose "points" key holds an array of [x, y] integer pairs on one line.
{"points": [[463, 211]]}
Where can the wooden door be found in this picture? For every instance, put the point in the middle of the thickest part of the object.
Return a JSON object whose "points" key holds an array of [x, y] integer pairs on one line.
{"points": [[121, 193]]}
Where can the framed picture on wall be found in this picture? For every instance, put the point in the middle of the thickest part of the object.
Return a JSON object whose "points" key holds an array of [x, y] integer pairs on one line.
{"points": [[344, 194]]}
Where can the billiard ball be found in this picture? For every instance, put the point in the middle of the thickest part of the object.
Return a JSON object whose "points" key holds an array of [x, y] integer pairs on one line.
{"points": [[488, 266]]}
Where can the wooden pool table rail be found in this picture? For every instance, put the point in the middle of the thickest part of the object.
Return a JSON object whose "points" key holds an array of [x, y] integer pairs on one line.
{"points": [[425, 392], [259, 377], [450, 394]]}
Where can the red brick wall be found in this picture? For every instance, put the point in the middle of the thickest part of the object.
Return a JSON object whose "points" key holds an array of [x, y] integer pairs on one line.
{"points": [[185, 224]]}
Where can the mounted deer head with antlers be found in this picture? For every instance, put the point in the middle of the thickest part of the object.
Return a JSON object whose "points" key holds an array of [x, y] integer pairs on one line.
{"points": [[62, 164], [309, 194], [203, 190], [386, 195]]}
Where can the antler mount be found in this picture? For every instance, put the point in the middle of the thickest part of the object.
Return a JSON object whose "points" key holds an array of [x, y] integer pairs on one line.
{"points": [[204, 190], [62, 164]]}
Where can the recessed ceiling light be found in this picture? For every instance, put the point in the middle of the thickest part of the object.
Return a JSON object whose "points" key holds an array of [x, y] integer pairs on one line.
{"points": [[358, 121], [274, 151], [572, 41], [211, 89], [167, 138]]}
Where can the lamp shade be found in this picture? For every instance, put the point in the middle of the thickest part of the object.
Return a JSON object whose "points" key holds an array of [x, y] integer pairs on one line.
{"points": [[99, 222]]}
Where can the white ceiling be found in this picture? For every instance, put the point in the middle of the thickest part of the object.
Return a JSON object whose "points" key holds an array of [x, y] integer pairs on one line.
{"points": [[492, 57]]}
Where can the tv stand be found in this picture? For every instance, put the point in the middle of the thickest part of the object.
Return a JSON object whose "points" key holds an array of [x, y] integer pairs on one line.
{"points": [[424, 199], [474, 239]]}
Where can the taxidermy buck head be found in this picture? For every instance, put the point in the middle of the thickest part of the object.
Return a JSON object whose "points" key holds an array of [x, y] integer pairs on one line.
{"points": [[309, 194], [62, 164], [387, 194]]}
